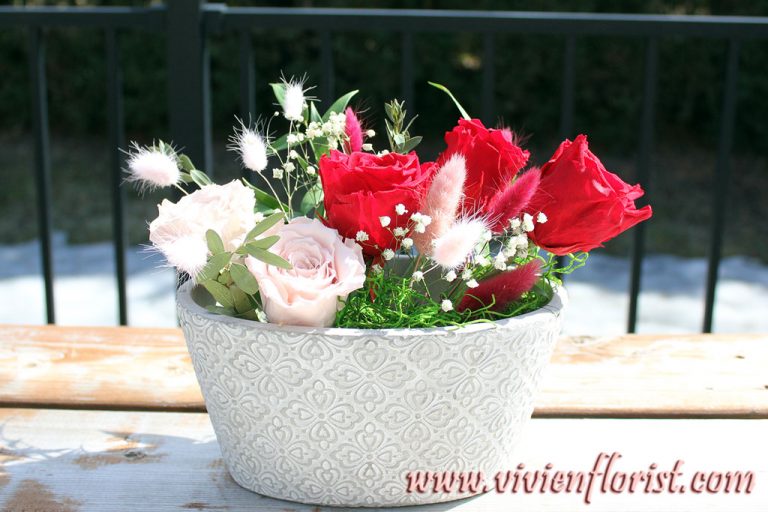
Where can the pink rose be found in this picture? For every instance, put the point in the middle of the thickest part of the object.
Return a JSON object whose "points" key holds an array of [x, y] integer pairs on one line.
{"points": [[179, 229], [326, 269]]}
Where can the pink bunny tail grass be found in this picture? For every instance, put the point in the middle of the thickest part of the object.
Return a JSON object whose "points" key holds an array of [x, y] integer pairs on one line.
{"points": [[152, 168], [187, 253], [451, 250], [510, 202], [442, 201], [354, 131], [502, 289]]}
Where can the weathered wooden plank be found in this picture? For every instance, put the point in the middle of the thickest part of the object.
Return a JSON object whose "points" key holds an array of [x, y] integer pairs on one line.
{"points": [[709, 375], [64, 460], [717, 375], [96, 367]]}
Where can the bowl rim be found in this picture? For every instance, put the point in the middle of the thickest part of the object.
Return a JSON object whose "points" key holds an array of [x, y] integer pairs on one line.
{"points": [[552, 310]]}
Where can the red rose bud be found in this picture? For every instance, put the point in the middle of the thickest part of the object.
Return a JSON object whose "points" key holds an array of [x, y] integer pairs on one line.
{"points": [[492, 157], [360, 188], [354, 131], [585, 204], [503, 289], [509, 202]]}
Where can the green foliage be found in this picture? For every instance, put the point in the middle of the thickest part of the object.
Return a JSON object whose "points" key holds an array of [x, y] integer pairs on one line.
{"points": [[219, 292], [528, 72], [312, 198], [339, 105], [400, 140], [278, 89], [186, 163], [215, 244], [200, 178], [265, 225], [267, 257], [261, 243], [243, 278], [216, 264], [399, 303], [552, 271], [265, 201], [450, 95]]}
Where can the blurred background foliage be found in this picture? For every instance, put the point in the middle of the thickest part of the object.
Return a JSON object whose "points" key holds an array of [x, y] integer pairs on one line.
{"points": [[528, 71]]}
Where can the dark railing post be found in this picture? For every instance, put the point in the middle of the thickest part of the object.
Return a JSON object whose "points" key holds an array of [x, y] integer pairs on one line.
{"points": [[39, 96], [722, 171], [117, 141], [567, 91], [247, 78], [643, 174], [247, 84], [189, 81], [566, 102]]}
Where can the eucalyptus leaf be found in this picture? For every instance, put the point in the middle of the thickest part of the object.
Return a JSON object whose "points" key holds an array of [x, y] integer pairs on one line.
{"points": [[280, 143], [301, 161], [200, 178], [224, 278], [339, 105], [279, 91], [269, 258], [314, 115], [242, 302], [450, 94], [219, 292], [389, 110], [220, 310], [215, 264], [243, 278], [249, 315], [320, 147], [264, 225], [215, 244], [411, 144], [312, 198], [265, 198], [262, 243], [266, 210], [186, 163]]}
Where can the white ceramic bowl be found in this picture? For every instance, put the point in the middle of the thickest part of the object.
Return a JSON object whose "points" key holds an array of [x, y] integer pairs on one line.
{"points": [[340, 416]]}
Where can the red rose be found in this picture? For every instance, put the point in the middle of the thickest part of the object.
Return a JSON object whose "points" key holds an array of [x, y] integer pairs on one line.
{"points": [[585, 204], [492, 156], [362, 187]]}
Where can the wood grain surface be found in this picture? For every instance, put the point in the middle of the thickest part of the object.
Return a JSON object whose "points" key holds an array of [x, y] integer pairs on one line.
{"points": [[83, 461], [717, 375]]}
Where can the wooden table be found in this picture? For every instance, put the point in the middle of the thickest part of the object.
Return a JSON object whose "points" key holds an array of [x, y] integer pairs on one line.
{"points": [[111, 419]]}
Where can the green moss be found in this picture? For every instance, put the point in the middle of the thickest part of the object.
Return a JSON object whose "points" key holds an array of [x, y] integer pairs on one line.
{"points": [[391, 301]]}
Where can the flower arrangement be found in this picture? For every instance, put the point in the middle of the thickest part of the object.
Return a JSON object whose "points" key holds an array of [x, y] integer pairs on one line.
{"points": [[336, 233]]}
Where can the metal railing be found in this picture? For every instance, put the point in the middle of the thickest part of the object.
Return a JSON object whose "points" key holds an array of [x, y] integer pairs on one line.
{"points": [[188, 23]]}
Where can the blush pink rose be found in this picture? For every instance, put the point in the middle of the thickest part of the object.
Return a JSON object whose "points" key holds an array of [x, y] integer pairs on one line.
{"points": [[178, 232], [326, 269]]}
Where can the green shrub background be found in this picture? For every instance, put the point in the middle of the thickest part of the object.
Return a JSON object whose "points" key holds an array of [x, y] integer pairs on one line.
{"points": [[528, 71]]}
